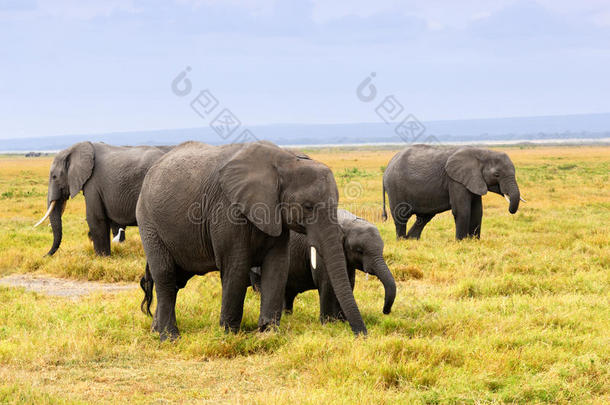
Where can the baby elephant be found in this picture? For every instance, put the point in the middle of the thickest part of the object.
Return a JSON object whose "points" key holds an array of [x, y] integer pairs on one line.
{"points": [[363, 248]]}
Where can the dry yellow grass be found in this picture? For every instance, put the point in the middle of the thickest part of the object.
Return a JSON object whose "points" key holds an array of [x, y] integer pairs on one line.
{"points": [[520, 316]]}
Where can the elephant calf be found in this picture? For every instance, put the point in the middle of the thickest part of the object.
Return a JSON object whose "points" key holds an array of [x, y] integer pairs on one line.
{"points": [[363, 248], [110, 178], [426, 180]]}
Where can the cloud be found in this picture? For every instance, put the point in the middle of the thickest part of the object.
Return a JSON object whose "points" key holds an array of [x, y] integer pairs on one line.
{"points": [[85, 9], [66, 9], [255, 7], [456, 14], [17, 5]]}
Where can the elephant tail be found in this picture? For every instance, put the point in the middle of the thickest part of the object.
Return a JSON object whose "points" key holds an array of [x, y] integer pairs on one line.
{"points": [[384, 215], [147, 284]]}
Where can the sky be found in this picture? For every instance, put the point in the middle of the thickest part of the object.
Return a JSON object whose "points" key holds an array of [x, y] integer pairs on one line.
{"points": [[98, 66]]}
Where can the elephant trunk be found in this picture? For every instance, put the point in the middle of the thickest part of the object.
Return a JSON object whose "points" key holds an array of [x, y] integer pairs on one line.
{"points": [[331, 251], [379, 268], [509, 187], [56, 225]]}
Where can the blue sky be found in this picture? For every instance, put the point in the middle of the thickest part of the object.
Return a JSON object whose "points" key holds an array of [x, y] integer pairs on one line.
{"points": [[89, 66]]}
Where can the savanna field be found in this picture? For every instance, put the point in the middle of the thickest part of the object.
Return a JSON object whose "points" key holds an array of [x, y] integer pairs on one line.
{"points": [[520, 316]]}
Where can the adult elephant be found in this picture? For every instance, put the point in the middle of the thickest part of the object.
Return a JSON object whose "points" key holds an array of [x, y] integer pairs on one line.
{"points": [[110, 178], [426, 180], [230, 208], [363, 250]]}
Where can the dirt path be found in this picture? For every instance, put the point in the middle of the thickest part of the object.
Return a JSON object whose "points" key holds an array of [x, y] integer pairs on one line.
{"points": [[62, 287]]}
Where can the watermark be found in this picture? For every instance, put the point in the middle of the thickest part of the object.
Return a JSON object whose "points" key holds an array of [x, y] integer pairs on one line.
{"points": [[353, 190], [206, 105], [258, 214], [393, 113]]}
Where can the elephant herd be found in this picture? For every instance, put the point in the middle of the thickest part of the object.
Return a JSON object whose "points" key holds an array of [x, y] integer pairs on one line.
{"points": [[264, 216]]}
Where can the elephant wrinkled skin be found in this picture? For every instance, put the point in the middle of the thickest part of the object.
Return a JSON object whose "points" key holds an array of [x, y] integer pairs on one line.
{"points": [[230, 208], [110, 178], [426, 180]]}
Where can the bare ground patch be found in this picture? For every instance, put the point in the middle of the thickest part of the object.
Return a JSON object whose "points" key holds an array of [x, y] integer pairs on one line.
{"points": [[62, 287]]}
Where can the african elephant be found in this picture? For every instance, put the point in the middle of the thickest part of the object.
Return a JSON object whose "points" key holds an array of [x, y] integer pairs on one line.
{"points": [[363, 249], [229, 208], [426, 180], [110, 178]]}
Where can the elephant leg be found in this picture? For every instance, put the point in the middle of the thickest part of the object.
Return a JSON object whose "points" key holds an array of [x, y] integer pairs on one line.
{"points": [[273, 283], [163, 272], [154, 327], [400, 219], [289, 300], [99, 226], [165, 315], [476, 216], [401, 229], [235, 282], [417, 228], [461, 201], [401, 226], [462, 223]]}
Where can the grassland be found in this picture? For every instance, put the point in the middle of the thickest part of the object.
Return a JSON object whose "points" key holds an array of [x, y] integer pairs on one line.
{"points": [[520, 316]]}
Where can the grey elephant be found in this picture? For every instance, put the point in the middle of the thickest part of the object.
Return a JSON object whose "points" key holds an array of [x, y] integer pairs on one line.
{"points": [[110, 178], [426, 180], [363, 249], [230, 208]]}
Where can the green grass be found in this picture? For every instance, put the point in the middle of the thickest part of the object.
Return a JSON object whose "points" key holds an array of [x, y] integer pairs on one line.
{"points": [[520, 316]]}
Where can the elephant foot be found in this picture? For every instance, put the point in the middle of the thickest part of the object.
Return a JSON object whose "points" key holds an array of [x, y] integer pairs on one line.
{"points": [[269, 322], [172, 335], [230, 328], [269, 327], [332, 318]]}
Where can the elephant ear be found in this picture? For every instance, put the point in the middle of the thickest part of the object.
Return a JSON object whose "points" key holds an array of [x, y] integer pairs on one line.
{"points": [[80, 161], [464, 167], [250, 180]]}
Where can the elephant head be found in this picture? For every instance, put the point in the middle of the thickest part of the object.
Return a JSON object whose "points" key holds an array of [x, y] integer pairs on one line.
{"points": [[482, 170], [69, 172], [363, 248], [277, 190]]}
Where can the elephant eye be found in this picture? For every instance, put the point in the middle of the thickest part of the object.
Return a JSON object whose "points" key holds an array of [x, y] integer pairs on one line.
{"points": [[308, 206], [497, 174], [54, 177]]}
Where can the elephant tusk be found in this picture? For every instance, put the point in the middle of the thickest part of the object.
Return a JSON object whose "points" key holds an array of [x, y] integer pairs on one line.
{"points": [[521, 198], [313, 257], [117, 238], [51, 206], [506, 197]]}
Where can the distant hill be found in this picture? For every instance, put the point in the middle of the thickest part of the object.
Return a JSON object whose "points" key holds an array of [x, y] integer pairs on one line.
{"points": [[582, 126]]}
